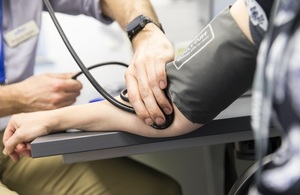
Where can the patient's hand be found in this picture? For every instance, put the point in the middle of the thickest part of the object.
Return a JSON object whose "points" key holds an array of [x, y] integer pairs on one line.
{"points": [[20, 131]]}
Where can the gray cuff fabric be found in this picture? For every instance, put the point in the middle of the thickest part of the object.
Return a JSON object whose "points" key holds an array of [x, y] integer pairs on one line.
{"points": [[213, 71]]}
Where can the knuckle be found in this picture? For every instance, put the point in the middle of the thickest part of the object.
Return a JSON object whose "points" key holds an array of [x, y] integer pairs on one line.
{"points": [[55, 86], [144, 92], [18, 136], [152, 82], [79, 86], [162, 100], [128, 74], [143, 115], [137, 61], [133, 99], [160, 59], [55, 101], [161, 74], [155, 112]]}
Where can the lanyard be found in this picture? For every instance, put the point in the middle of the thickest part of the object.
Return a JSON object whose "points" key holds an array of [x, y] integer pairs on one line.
{"points": [[2, 67]]}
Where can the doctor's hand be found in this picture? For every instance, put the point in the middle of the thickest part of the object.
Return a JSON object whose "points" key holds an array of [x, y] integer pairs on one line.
{"points": [[146, 76], [46, 92], [21, 130]]}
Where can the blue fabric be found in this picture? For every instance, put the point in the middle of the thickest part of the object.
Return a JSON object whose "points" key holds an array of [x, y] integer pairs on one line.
{"points": [[2, 68]]}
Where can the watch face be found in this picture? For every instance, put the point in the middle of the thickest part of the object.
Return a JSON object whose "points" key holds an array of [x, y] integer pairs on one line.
{"points": [[135, 23]]}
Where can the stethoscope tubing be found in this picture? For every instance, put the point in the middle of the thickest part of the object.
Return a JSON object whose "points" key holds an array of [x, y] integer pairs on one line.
{"points": [[92, 80]]}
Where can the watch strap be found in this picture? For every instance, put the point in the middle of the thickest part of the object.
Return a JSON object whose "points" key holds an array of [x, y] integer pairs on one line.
{"points": [[144, 20]]}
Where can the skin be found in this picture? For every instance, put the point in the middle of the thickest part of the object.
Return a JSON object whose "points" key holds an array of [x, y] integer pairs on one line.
{"points": [[53, 91], [102, 116], [42, 92], [146, 77]]}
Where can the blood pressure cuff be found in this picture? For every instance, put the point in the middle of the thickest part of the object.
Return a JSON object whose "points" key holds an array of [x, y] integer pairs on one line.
{"points": [[213, 71]]}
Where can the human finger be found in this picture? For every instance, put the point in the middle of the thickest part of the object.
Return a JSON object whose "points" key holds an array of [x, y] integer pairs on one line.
{"points": [[147, 86], [135, 99], [154, 81]]}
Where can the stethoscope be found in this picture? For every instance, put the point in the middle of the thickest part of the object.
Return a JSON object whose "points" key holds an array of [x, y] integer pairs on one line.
{"points": [[92, 80]]}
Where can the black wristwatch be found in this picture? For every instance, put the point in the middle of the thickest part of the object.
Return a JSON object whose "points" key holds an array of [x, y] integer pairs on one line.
{"points": [[137, 24]]}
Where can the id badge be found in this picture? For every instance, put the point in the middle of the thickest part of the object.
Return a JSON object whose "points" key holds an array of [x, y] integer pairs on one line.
{"points": [[21, 33]]}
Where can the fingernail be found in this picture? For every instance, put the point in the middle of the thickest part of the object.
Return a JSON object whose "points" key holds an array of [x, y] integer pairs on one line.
{"points": [[162, 84], [148, 121], [159, 121], [167, 110]]}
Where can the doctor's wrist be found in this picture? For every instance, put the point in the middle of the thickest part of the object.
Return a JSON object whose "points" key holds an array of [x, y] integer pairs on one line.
{"points": [[150, 30]]}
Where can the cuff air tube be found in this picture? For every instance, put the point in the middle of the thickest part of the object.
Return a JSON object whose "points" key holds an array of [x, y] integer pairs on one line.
{"points": [[213, 71]]}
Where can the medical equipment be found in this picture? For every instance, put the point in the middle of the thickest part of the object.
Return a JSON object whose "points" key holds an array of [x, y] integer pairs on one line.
{"points": [[213, 71], [92, 80]]}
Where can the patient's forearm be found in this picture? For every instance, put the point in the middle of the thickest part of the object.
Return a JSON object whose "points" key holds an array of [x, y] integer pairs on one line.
{"points": [[103, 116]]}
